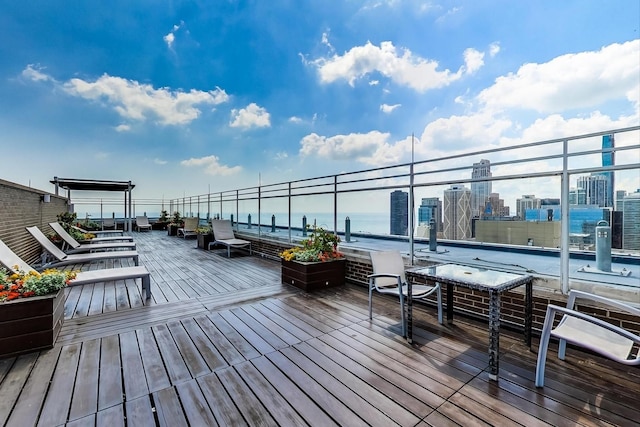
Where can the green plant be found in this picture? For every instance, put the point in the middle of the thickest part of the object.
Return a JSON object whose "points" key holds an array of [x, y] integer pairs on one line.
{"points": [[176, 219], [164, 216], [24, 285], [203, 229], [321, 245], [67, 219]]}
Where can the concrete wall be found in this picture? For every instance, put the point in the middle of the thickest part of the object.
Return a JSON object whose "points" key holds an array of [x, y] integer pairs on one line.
{"points": [[22, 207], [543, 234]]}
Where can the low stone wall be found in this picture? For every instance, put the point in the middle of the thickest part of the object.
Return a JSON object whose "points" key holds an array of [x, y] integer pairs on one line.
{"points": [[24, 207], [466, 302]]}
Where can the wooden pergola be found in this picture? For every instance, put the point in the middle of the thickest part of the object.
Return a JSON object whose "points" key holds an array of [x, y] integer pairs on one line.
{"points": [[98, 185]]}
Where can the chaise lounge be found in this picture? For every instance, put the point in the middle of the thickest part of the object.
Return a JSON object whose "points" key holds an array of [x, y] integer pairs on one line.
{"points": [[10, 260], [67, 259], [77, 247]]}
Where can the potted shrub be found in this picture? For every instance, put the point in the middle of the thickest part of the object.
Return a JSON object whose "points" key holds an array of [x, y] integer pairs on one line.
{"points": [[204, 236], [162, 221], [316, 264], [176, 222], [31, 310]]}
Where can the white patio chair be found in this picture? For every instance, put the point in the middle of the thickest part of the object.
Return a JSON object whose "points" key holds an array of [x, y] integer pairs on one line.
{"points": [[223, 235], [189, 228], [142, 223], [591, 333], [389, 278]]}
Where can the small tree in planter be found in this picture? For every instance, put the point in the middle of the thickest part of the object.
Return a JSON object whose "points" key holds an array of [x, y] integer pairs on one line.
{"points": [[163, 220], [176, 222]]}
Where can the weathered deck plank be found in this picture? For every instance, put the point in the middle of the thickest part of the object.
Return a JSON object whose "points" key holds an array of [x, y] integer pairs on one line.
{"points": [[222, 342]]}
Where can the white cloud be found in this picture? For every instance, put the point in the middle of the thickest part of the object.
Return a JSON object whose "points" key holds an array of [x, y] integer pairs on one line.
{"points": [[251, 116], [159, 161], [136, 101], [398, 64], [211, 166], [34, 73], [282, 155], [470, 132], [294, 119], [101, 155], [494, 49], [474, 60], [169, 39], [387, 109], [580, 80], [123, 128], [366, 148]]}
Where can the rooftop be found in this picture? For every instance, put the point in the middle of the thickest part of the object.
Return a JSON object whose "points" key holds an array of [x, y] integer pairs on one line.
{"points": [[223, 342]]}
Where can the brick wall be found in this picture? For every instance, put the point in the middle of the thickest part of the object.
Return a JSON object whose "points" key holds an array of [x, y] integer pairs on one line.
{"points": [[22, 207], [467, 302]]}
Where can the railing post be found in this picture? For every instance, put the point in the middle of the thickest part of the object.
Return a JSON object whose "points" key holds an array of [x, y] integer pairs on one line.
{"points": [[304, 226], [347, 230], [564, 224], [249, 221], [273, 223]]}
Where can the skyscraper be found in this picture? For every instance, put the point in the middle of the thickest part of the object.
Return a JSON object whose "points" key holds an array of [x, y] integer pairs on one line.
{"points": [[480, 190], [608, 159], [399, 213], [596, 190], [528, 201], [457, 213], [431, 207], [631, 221]]}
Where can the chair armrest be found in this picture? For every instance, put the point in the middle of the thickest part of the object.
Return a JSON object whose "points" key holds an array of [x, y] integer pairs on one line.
{"points": [[373, 276], [553, 309], [574, 294]]}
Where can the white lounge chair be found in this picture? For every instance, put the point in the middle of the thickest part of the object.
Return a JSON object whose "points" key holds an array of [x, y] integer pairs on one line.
{"points": [[109, 239], [223, 235], [66, 259], [109, 223], [142, 223], [100, 232], [389, 278], [189, 229], [77, 247], [10, 260], [583, 330]]}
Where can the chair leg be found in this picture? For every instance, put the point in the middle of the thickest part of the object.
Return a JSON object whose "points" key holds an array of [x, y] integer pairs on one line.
{"points": [[370, 297], [543, 347], [402, 316], [439, 295]]}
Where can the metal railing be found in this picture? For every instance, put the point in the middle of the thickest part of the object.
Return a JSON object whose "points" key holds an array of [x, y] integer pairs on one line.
{"points": [[549, 166]]}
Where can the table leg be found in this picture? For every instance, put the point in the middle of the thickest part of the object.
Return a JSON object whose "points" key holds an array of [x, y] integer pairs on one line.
{"points": [[449, 303], [528, 314], [409, 312], [494, 334]]}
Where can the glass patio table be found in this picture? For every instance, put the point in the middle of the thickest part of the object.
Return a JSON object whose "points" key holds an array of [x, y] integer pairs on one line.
{"points": [[492, 281]]}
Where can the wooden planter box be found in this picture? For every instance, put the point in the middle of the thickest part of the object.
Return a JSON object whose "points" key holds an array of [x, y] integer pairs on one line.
{"points": [[311, 276], [204, 240], [30, 324], [172, 230]]}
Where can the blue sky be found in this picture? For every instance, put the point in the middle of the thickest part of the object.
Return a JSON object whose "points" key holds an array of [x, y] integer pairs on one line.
{"points": [[184, 96]]}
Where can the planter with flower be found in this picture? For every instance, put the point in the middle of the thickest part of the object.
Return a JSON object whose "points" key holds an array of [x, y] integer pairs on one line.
{"points": [[317, 264], [204, 235], [31, 310]]}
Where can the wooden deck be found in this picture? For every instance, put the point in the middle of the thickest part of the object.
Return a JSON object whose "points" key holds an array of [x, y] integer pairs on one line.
{"points": [[222, 342]]}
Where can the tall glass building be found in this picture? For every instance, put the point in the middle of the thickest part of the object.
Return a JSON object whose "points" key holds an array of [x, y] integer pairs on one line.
{"points": [[431, 207], [608, 159], [399, 213], [631, 221], [481, 190]]}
